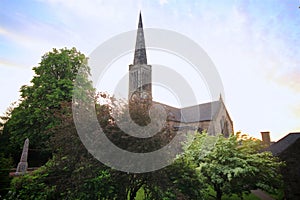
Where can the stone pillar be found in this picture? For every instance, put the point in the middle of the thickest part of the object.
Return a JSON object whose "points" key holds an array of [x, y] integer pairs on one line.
{"points": [[23, 165]]}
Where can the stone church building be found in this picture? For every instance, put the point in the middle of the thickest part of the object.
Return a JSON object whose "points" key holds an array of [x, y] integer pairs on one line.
{"points": [[212, 116]]}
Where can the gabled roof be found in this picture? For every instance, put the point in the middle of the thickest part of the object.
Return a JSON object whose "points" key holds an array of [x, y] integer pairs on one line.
{"points": [[282, 144], [201, 112], [197, 113]]}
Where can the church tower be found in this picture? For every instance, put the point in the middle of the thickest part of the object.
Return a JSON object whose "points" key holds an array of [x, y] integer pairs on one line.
{"points": [[140, 87]]}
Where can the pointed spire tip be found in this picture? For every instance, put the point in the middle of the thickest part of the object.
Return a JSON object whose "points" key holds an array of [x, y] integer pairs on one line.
{"points": [[140, 56], [140, 20]]}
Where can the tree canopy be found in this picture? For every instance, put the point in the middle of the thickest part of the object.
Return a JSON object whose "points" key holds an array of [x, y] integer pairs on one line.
{"points": [[51, 85], [73, 173], [232, 166]]}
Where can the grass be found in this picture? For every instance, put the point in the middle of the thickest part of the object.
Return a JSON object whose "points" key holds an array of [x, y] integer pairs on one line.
{"points": [[139, 195]]}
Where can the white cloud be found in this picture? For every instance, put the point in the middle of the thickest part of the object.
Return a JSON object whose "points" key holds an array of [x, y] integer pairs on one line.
{"points": [[163, 2]]}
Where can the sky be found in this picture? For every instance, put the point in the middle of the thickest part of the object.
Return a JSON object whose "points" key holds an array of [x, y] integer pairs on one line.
{"points": [[254, 45]]}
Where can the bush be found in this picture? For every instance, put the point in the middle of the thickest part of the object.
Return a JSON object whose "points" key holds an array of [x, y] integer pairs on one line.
{"points": [[5, 164]]}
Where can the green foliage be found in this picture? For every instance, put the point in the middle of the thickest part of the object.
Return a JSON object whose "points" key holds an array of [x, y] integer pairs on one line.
{"points": [[31, 186], [228, 166], [232, 166], [181, 181], [168, 183], [245, 196], [73, 173], [99, 187], [5, 166], [35, 114]]}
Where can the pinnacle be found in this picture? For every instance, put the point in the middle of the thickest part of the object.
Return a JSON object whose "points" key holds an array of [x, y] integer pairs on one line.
{"points": [[140, 56]]}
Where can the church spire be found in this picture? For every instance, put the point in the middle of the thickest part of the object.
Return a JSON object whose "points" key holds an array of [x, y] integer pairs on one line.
{"points": [[140, 56]]}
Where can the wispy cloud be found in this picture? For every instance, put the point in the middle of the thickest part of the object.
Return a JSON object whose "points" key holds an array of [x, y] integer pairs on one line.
{"points": [[290, 80], [90, 9], [14, 37], [9, 63]]}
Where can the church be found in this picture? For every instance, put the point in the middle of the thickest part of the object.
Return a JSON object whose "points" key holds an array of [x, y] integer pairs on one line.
{"points": [[212, 117]]}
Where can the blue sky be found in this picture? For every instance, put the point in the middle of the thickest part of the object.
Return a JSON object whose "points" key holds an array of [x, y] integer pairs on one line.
{"points": [[254, 45]]}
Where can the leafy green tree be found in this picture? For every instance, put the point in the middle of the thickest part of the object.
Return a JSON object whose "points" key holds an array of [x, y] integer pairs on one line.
{"points": [[35, 114], [168, 183], [4, 135], [73, 173], [233, 167], [31, 186], [179, 180]]}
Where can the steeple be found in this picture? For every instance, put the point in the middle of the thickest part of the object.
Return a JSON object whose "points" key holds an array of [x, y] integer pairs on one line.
{"points": [[140, 73], [140, 56]]}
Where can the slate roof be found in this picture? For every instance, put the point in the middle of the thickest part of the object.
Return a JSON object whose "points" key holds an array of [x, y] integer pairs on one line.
{"points": [[197, 113], [282, 144]]}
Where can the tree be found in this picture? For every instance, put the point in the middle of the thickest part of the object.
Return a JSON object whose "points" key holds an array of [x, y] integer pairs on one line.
{"points": [[172, 182], [179, 180], [5, 166], [73, 173], [233, 167], [34, 116]]}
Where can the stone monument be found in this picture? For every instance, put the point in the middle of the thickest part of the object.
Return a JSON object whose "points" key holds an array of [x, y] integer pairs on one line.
{"points": [[23, 165]]}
